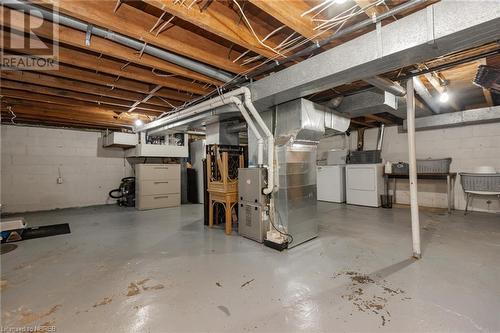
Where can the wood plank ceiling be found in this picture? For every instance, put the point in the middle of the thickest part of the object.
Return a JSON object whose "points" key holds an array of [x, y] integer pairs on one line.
{"points": [[103, 84]]}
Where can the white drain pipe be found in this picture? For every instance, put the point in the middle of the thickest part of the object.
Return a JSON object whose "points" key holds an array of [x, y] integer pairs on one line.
{"points": [[410, 121], [230, 97], [251, 125], [270, 141]]}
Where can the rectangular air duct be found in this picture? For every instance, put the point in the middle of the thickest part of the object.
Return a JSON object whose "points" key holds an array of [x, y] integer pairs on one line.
{"points": [[299, 126]]}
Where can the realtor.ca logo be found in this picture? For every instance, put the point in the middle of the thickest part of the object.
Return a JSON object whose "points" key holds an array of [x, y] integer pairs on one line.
{"points": [[29, 37]]}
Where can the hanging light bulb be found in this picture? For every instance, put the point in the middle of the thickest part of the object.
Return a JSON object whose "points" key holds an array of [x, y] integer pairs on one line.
{"points": [[444, 97], [138, 122]]}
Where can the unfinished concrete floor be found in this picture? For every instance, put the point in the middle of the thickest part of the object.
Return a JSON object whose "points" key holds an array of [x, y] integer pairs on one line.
{"points": [[121, 270]]}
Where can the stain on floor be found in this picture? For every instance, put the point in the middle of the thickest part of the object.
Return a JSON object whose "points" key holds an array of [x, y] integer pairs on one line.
{"points": [[133, 289], [247, 283], [27, 316], [224, 309], [105, 301], [370, 296]]}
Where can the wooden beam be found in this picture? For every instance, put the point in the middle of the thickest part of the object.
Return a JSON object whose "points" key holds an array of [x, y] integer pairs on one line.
{"points": [[16, 20], [219, 20], [64, 114], [358, 122], [487, 94], [134, 23], [289, 13], [30, 96], [101, 64], [56, 82], [372, 11], [379, 119], [114, 82], [67, 94]]}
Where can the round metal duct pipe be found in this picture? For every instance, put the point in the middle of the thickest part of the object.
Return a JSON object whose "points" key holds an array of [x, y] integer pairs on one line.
{"points": [[138, 45]]}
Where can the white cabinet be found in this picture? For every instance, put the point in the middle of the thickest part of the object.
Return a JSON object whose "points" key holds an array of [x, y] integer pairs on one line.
{"points": [[157, 186], [364, 184], [150, 150], [119, 139], [331, 183]]}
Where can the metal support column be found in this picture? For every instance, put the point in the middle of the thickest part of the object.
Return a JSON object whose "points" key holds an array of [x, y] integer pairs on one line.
{"points": [[415, 222]]}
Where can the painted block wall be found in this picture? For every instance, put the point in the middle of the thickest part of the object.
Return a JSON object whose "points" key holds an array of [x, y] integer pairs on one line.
{"points": [[468, 146], [33, 156]]}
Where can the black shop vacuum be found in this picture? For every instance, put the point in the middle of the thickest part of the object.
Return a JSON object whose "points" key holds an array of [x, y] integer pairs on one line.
{"points": [[125, 194]]}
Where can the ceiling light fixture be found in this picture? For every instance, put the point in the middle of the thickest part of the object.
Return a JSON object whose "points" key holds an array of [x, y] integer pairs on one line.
{"points": [[138, 122], [444, 97]]}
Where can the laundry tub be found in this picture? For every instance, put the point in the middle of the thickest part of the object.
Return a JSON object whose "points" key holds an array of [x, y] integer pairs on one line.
{"points": [[475, 183]]}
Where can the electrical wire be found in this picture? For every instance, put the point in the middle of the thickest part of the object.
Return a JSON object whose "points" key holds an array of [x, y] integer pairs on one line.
{"points": [[13, 114], [242, 74], [290, 237], [261, 42]]}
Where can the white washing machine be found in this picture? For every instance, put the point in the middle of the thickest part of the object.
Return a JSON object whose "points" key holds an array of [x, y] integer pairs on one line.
{"points": [[331, 183], [364, 184]]}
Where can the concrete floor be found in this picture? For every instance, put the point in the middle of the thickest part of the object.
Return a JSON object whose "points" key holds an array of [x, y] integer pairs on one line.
{"points": [[121, 270]]}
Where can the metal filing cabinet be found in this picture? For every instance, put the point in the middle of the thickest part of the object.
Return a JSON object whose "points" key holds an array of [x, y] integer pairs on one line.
{"points": [[157, 186], [253, 220]]}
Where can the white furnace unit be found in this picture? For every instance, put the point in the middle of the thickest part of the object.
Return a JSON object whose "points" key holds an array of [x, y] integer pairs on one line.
{"points": [[364, 184]]}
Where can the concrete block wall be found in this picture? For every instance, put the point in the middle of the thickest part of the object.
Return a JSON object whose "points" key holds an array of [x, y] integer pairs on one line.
{"points": [[33, 158], [468, 146]]}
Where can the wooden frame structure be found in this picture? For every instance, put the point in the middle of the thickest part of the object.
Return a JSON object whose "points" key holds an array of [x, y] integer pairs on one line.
{"points": [[223, 189]]}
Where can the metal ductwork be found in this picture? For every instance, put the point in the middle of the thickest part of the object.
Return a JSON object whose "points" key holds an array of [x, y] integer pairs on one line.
{"points": [[344, 32], [303, 120], [138, 45], [238, 128], [335, 102], [386, 85], [299, 126], [458, 118], [415, 38], [373, 102]]}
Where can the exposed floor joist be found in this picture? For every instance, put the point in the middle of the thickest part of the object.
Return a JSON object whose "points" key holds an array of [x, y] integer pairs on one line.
{"points": [[221, 21], [120, 69], [16, 20], [33, 92], [290, 14], [61, 83], [131, 22]]}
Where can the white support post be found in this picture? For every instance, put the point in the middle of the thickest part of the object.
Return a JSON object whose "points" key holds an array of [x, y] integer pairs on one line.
{"points": [[415, 222]]}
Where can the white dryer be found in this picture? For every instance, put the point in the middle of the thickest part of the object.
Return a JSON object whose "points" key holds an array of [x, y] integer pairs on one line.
{"points": [[364, 184]]}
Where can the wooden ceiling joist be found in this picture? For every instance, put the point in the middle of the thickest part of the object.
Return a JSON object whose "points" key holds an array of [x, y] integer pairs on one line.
{"points": [[221, 21], [63, 114], [113, 82], [35, 97], [16, 20], [370, 8], [8, 85], [290, 14], [136, 24], [61, 83], [379, 119], [118, 68]]}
